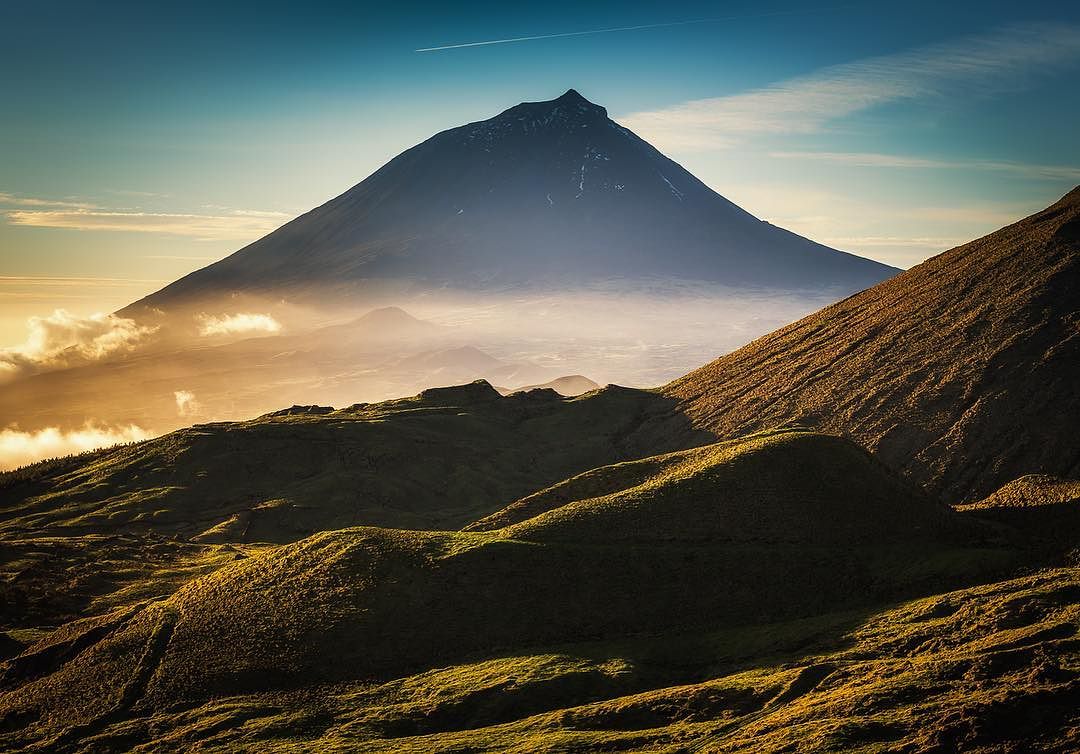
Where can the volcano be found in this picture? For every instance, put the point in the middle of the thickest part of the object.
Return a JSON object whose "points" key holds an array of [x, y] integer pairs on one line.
{"points": [[550, 193]]}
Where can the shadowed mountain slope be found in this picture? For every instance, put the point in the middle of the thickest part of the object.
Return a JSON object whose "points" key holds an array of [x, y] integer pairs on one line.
{"points": [[963, 372], [81, 534], [777, 493], [545, 193], [1032, 491], [373, 604], [438, 460], [1046, 509]]}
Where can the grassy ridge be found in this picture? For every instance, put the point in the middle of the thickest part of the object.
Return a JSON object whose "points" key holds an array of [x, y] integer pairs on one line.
{"points": [[986, 669], [80, 528], [438, 460], [694, 549]]}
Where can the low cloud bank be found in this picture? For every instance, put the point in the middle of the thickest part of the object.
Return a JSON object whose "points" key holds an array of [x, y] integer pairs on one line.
{"points": [[63, 339], [236, 324], [18, 448]]}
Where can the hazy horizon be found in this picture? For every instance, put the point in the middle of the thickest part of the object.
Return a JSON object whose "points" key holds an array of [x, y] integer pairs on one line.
{"points": [[68, 391]]}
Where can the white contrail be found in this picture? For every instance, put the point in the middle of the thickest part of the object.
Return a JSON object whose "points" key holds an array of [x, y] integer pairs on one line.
{"points": [[627, 28]]}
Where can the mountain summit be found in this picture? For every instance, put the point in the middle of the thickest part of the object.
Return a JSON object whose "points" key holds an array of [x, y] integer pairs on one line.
{"points": [[545, 193]]}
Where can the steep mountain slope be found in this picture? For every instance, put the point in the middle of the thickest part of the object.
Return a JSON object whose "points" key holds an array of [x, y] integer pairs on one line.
{"points": [[545, 193], [827, 529], [964, 372]]}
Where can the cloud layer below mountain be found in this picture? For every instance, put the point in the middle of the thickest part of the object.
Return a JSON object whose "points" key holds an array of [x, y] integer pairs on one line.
{"points": [[236, 324], [18, 448], [64, 339]]}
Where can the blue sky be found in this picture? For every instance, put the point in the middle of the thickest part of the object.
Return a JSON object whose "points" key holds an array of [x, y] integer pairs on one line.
{"points": [[138, 143]]}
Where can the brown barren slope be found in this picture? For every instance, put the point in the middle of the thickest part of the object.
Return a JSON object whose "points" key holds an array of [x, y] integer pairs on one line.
{"points": [[963, 372]]}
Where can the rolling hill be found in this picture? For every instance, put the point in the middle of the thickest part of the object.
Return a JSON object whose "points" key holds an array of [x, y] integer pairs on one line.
{"points": [[77, 534], [963, 372], [707, 544], [437, 460]]}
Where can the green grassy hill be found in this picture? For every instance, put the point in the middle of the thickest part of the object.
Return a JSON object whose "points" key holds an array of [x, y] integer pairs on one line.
{"points": [[986, 669], [694, 549], [780, 487], [438, 460], [81, 535]]}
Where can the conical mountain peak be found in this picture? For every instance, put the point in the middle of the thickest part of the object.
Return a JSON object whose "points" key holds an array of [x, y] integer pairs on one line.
{"points": [[573, 97], [567, 108], [552, 192]]}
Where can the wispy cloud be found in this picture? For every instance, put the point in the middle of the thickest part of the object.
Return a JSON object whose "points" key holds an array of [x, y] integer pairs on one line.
{"points": [[19, 448], [181, 257], [894, 242], [53, 280], [14, 200], [140, 194], [235, 324], [971, 66], [990, 216], [62, 339], [898, 233], [876, 160], [51, 291], [235, 225]]}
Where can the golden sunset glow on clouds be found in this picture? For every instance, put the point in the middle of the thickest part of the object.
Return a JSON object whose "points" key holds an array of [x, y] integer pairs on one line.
{"points": [[236, 225]]}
